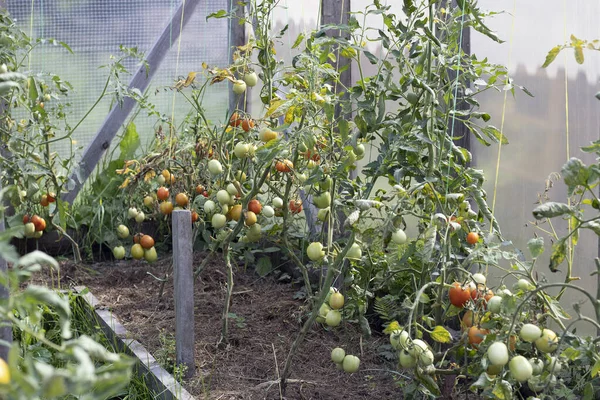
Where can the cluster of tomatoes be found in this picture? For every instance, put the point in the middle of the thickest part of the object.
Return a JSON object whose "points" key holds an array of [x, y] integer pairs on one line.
{"points": [[34, 226]]}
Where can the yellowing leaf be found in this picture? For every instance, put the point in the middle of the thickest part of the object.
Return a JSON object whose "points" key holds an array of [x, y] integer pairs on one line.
{"points": [[393, 326], [595, 369], [441, 335], [289, 115], [149, 175], [124, 184], [275, 104]]}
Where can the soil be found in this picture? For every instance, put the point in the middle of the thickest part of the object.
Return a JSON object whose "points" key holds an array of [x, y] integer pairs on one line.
{"points": [[268, 318]]}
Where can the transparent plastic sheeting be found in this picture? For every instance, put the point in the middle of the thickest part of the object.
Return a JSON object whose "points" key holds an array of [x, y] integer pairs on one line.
{"points": [[95, 29], [537, 127]]}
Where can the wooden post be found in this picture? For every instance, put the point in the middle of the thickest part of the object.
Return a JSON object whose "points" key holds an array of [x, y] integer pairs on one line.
{"points": [[184, 290], [460, 129], [337, 12], [237, 37], [117, 116]]}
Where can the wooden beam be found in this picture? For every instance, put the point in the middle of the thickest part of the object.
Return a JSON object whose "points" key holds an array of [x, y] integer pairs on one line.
{"points": [[237, 37], [460, 129], [117, 116], [337, 12]]}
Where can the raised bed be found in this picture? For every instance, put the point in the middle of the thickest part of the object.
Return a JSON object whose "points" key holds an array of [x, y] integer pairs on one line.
{"points": [[155, 376]]}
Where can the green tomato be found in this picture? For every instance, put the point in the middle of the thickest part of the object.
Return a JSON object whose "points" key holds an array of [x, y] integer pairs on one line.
{"points": [[399, 339], [123, 231], [351, 363], [337, 355], [250, 79], [548, 342], [406, 360], [315, 251], [231, 189], [140, 217], [218, 221], [399, 237], [333, 318], [323, 310], [323, 214], [239, 87], [132, 212], [119, 252], [322, 200], [209, 206], [520, 369], [537, 365], [277, 202], [495, 304], [214, 167], [268, 211], [241, 149], [530, 333], [497, 353], [355, 252], [150, 255], [223, 197]]}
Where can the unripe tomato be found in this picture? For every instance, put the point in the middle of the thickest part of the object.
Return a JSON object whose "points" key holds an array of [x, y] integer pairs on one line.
{"points": [[231, 189], [537, 365], [336, 301], [132, 212], [268, 211], [29, 229], [209, 206], [351, 363], [251, 79], [494, 304], [235, 212], [218, 221], [324, 309], [399, 339], [459, 295], [315, 251], [530, 333], [399, 237], [223, 197], [137, 251], [239, 87], [479, 279], [554, 366], [277, 202], [215, 167], [548, 342], [140, 217], [406, 359], [333, 318], [426, 358], [417, 347], [149, 201], [525, 285], [520, 369], [44, 201], [150, 254], [250, 218], [472, 238], [119, 252], [498, 353], [122, 231], [266, 135], [355, 252], [337, 355], [241, 149], [322, 200]]}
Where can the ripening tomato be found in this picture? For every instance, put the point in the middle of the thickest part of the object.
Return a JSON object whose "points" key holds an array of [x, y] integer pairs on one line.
{"points": [[44, 201], [235, 120], [472, 238], [137, 237], [255, 206], [166, 207], [26, 218], [147, 241], [284, 166], [182, 199], [195, 217], [247, 124], [295, 206], [51, 197], [39, 222], [199, 189], [476, 335], [162, 193], [459, 295]]}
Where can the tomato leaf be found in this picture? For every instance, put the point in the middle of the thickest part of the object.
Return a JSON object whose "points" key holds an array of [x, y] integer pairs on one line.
{"points": [[536, 246], [559, 251], [441, 335], [551, 56], [503, 390], [482, 382], [218, 14], [263, 266], [571, 353], [552, 209], [588, 392], [595, 368], [574, 173], [579, 54]]}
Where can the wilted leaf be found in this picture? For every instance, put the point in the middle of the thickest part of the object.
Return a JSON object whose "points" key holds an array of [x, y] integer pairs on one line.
{"points": [[551, 56], [574, 173], [559, 250], [552, 209]]}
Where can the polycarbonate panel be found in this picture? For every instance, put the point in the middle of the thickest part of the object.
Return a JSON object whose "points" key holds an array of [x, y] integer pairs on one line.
{"points": [[537, 127], [96, 29]]}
